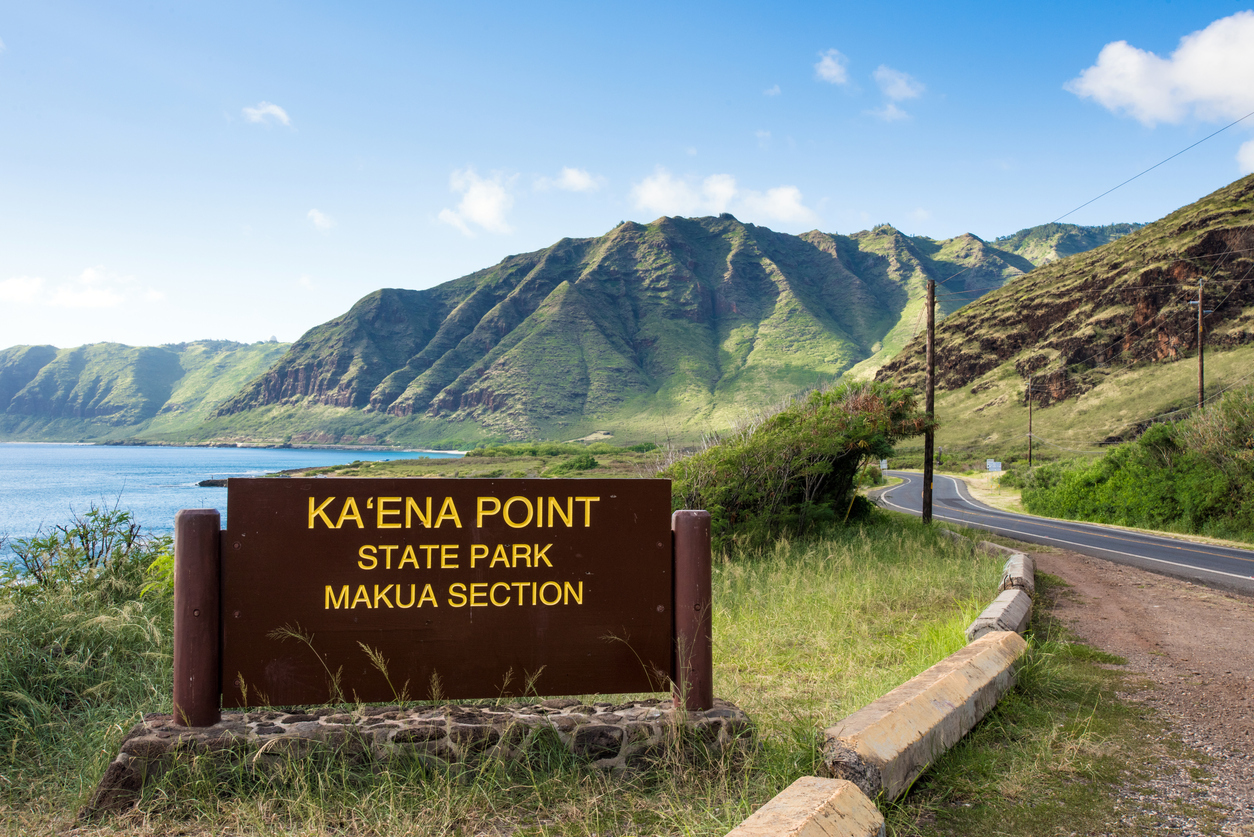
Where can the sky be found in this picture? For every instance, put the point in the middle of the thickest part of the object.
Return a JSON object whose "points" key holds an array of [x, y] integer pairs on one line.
{"points": [[173, 171]]}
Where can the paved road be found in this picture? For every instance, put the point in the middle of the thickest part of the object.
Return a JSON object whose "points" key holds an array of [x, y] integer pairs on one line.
{"points": [[1216, 565]]}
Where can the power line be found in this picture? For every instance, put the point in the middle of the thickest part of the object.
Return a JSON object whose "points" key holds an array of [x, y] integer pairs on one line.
{"points": [[1151, 168]]}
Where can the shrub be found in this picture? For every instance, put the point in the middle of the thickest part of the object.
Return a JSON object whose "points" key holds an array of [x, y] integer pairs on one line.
{"points": [[78, 632], [1195, 476], [582, 462], [794, 470]]}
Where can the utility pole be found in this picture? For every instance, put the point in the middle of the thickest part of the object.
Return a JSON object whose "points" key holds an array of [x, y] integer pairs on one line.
{"points": [[1201, 347], [929, 437], [1029, 421]]}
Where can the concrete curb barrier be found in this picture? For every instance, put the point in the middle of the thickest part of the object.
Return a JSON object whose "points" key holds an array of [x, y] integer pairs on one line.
{"points": [[996, 549], [1019, 574], [883, 747], [815, 807], [1010, 611]]}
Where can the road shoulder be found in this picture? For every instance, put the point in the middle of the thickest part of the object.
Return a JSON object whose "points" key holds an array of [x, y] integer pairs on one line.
{"points": [[1192, 644]]}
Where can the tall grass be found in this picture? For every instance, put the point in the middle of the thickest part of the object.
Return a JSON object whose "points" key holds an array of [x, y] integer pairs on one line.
{"points": [[804, 633]]}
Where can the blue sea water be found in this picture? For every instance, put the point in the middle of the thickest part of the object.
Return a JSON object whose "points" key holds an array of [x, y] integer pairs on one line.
{"points": [[42, 485]]}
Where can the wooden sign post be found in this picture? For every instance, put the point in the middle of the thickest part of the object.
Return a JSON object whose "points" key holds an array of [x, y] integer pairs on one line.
{"points": [[341, 590]]}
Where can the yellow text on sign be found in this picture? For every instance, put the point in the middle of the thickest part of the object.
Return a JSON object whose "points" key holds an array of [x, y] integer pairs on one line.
{"points": [[476, 594], [410, 512]]}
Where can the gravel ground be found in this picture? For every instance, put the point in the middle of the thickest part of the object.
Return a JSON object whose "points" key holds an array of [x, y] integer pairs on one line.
{"points": [[1192, 647]]}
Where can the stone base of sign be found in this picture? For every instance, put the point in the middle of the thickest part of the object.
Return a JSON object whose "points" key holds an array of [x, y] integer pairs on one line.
{"points": [[610, 736]]}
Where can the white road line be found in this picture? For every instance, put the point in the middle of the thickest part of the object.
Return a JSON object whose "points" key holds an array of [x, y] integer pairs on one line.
{"points": [[1000, 529]]}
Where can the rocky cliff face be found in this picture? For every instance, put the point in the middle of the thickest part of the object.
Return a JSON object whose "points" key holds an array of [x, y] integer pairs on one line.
{"points": [[687, 319], [1123, 304]]}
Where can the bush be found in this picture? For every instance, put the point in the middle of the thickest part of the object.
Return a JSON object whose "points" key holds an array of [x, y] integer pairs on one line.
{"points": [[582, 462], [1195, 476], [870, 475], [78, 631], [794, 471]]}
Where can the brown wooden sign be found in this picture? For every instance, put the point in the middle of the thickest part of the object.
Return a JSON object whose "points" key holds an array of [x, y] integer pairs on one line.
{"points": [[378, 589]]}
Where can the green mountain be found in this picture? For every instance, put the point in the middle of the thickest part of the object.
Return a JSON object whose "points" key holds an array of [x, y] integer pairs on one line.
{"points": [[1050, 242], [1106, 340], [104, 391], [665, 330], [670, 329]]}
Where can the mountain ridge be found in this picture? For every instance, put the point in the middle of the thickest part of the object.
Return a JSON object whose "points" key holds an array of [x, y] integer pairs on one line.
{"points": [[692, 319], [661, 330], [1074, 329]]}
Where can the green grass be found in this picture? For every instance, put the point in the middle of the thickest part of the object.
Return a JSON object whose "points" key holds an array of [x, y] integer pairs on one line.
{"points": [[804, 634], [1061, 754], [993, 421]]}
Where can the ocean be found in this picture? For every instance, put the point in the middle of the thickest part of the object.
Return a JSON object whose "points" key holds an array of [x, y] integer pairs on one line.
{"points": [[42, 485]]}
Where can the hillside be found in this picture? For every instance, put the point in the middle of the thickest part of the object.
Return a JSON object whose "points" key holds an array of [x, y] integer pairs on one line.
{"points": [[104, 391], [1108, 337], [669, 329], [1050, 242], [665, 330]]}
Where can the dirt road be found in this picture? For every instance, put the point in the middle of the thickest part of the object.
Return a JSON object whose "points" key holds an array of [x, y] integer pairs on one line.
{"points": [[1196, 646]]}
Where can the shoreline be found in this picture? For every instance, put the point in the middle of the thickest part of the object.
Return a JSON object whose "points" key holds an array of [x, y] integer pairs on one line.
{"points": [[246, 446]]}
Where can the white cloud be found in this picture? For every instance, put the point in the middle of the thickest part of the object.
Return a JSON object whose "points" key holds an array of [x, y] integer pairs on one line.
{"points": [[832, 67], [570, 180], [889, 112], [267, 110], [20, 288], [897, 85], [719, 190], [320, 220], [783, 203], [1207, 77], [2, 46], [485, 201], [305, 281], [764, 139], [1245, 157], [772, 91], [664, 194], [921, 214], [95, 287]]}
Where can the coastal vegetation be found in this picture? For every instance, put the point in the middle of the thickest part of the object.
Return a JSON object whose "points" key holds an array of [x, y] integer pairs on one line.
{"points": [[806, 631], [795, 471]]}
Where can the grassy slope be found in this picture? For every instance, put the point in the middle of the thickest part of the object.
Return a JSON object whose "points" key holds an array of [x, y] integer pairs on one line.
{"points": [[1108, 336], [1050, 242], [994, 421], [107, 391], [213, 372]]}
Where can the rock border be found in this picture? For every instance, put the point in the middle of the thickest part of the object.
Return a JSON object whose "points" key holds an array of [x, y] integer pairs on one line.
{"points": [[610, 736]]}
